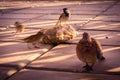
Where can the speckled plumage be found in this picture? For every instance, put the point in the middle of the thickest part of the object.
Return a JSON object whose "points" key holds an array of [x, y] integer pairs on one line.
{"points": [[64, 17], [19, 27], [89, 50]]}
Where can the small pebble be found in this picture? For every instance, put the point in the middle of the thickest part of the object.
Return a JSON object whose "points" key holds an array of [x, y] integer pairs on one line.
{"points": [[106, 37]]}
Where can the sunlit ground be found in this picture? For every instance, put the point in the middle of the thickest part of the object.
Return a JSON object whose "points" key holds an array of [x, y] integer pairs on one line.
{"points": [[13, 4], [14, 51]]}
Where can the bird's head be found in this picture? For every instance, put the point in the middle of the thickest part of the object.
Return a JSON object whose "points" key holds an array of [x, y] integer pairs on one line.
{"points": [[17, 23], [66, 10], [86, 37], [86, 41]]}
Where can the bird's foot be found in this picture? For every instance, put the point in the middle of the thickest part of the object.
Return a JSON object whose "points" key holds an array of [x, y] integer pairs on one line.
{"points": [[87, 68]]}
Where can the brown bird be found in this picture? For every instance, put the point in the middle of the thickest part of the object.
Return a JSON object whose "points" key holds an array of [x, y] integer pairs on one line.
{"points": [[89, 51], [34, 39], [19, 27], [64, 17]]}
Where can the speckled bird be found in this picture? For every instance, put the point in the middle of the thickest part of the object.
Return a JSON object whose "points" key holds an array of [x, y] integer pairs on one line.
{"points": [[64, 17], [19, 27], [89, 51]]}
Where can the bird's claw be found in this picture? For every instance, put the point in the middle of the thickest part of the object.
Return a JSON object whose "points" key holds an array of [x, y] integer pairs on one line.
{"points": [[87, 68]]}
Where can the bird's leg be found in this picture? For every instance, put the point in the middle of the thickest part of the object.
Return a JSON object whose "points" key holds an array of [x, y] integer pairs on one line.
{"points": [[91, 67], [88, 68], [85, 65]]}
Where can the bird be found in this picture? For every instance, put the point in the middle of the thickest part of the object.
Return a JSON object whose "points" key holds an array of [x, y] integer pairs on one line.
{"points": [[64, 17], [89, 51], [19, 27], [34, 39]]}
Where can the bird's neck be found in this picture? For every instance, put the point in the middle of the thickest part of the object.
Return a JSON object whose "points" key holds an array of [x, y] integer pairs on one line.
{"points": [[89, 40], [66, 13]]}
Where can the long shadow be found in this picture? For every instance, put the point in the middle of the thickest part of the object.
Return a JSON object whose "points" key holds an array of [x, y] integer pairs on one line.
{"points": [[8, 10], [99, 68], [33, 25]]}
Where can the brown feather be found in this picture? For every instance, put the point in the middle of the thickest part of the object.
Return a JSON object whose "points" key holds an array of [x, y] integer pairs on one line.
{"points": [[89, 50], [19, 27], [64, 17]]}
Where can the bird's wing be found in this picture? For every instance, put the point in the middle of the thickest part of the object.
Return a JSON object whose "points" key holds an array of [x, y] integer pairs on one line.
{"points": [[61, 16], [97, 46], [59, 21], [85, 55]]}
